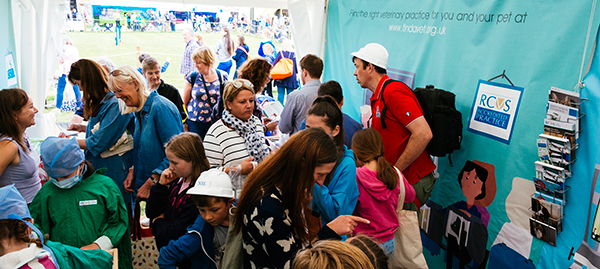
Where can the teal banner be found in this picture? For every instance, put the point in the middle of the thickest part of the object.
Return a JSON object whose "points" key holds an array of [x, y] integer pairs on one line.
{"points": [[453, 45]]}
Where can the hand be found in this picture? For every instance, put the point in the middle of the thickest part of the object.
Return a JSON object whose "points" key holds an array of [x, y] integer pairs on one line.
{"points": [[345, 224], [272, 125], [247, 166], [128, 183], [161, 216], [91, 246], [62, 135], [166, 176], [77, 127]]}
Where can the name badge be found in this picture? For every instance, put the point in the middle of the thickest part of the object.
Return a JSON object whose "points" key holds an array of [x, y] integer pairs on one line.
{"points": [[88, 202]]}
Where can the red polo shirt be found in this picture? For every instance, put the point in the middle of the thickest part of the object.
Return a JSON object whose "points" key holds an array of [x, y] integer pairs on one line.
{"points": [[402, 109]]}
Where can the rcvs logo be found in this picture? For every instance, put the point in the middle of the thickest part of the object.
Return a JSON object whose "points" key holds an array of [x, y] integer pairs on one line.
{"points": [[493, 110]]}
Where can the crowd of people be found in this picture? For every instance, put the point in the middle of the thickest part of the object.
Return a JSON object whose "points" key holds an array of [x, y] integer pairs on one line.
{"points": [[219, 192]]}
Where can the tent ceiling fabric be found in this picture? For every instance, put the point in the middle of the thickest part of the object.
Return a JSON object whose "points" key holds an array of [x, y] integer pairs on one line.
{"points": [[236, 3]]}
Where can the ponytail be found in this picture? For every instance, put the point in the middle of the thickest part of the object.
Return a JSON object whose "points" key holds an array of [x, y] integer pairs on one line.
{"points": [[367, 146]]}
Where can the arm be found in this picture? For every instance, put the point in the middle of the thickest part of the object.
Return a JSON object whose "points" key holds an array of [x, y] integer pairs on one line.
{"points": [[112, 126], [288, 115], [116, 227], [8, 154], [165, 66], [172, 229], [419, 138], [168, 115], [184, 247], [238, 54], [337, 198], [157, 201], [409, 191], [187, 93]]}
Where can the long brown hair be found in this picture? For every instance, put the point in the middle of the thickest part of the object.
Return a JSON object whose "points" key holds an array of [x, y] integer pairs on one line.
{"points": [[368, 145], [93, 84], [188, 147], [17, 230], [227, 42], [291, 170], [12, 101], [257, 71]]}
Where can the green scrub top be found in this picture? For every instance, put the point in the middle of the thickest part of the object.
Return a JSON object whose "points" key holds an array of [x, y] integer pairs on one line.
{"points": [[78, 216]]}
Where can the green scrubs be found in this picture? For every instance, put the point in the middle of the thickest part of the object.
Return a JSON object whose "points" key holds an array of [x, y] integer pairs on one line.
{"points": [[72, 257], [80, 215]]}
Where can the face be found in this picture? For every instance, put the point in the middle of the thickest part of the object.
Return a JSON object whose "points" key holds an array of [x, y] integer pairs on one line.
{"points": [[26, 115], [72, 174], [181, 168], [153, 77], [242, 105], [313, 121], [128, 92], [321, 172], [187, 36], [201, 67], [360, 73], [471, 184], [217, 213]]}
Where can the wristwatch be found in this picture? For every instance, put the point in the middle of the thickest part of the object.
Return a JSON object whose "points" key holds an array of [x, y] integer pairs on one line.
{"points": [[155, 180]]}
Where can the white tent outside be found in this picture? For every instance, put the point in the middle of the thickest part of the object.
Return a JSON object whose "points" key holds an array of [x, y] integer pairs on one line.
{"points": [[38, 28]]}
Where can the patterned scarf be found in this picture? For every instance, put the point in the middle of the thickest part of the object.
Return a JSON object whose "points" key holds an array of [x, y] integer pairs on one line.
{"points": [[255, 141]]}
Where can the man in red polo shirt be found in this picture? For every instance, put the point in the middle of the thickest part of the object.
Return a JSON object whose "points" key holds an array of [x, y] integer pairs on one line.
{"points": [[406, 132]]}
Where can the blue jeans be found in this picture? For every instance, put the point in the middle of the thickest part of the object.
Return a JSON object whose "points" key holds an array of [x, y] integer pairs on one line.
{"points": [[225, 66], [198, 127], [60, 89], [281, 92]]}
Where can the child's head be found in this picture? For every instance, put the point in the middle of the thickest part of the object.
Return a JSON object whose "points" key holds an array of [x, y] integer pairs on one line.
{"points": [[14, 232], [331, 254], [213, 195], [371, 249], [186, 155], [64, 162], [368, 146], [326, 114]]}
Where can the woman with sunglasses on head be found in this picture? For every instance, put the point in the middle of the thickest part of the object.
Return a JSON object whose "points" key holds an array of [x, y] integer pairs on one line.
{"points": [[237, 140], [157, 120], [18, 163], [106, 131], [339, 193]]}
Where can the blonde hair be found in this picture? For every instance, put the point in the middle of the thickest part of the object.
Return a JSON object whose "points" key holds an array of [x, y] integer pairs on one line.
{"points": [[286, 45], [131, 77], [331, 254], [204, 55], [231, 91]]}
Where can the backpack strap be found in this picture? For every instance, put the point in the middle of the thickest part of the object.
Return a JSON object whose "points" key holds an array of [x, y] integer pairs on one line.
{"points": [[244, 50], [384, 110]]}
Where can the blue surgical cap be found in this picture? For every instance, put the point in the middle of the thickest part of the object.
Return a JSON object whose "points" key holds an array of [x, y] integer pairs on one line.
{"points": [[61, 156], [12, 203]]}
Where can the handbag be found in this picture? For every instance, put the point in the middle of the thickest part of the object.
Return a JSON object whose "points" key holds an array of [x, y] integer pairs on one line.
{"points": [[408, 250], [283, 68], [233, 257]]}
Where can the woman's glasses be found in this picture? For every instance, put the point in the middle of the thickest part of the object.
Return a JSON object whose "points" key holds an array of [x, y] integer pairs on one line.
{"points": [[242, 82], [118, 72]]}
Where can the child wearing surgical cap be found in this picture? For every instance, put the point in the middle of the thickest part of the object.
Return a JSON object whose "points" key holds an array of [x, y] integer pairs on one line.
{"points": [[82, 207], [20, 248]]}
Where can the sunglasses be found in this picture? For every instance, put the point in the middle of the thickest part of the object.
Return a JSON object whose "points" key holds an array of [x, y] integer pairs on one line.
{"points": [[242, 82], [117, 72]]}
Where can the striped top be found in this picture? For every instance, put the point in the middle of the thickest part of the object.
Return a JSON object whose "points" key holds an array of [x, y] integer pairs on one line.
{"points": [[226, 148]]}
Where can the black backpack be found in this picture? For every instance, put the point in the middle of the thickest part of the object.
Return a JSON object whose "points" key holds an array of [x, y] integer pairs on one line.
{"points": [[441, 115]]}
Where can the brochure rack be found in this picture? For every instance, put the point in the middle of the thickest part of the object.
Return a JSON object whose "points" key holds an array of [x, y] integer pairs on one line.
{"points": [[556, 148]]}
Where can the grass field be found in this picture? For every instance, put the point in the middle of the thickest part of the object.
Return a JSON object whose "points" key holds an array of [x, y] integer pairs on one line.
{"points": [[160, 45]]}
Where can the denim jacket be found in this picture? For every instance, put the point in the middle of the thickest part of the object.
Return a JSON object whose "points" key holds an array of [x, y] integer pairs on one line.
{"points": [[155, 125]]}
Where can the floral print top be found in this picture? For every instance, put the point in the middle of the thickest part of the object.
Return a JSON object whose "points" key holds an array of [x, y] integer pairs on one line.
{"points": [[202, 102]]}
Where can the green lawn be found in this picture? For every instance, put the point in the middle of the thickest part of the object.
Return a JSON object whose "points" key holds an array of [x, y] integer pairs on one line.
{"points": [[158, 44]]}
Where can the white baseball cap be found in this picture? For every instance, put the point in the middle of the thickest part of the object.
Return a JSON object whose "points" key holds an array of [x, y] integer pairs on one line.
{"points": [[213, 182], [373, 53]]}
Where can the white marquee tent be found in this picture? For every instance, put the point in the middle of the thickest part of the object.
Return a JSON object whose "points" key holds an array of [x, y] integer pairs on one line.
{"points": [[38, 35]]}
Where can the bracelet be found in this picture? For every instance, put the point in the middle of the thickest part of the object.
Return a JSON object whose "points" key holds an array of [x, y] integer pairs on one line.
{"points": [[265, 129]]}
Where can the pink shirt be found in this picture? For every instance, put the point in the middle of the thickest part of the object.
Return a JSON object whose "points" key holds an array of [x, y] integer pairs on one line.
{"points": [[378, 204]]}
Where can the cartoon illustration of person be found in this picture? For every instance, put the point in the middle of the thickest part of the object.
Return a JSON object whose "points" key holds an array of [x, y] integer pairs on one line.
{"points": [[466, 229]]}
